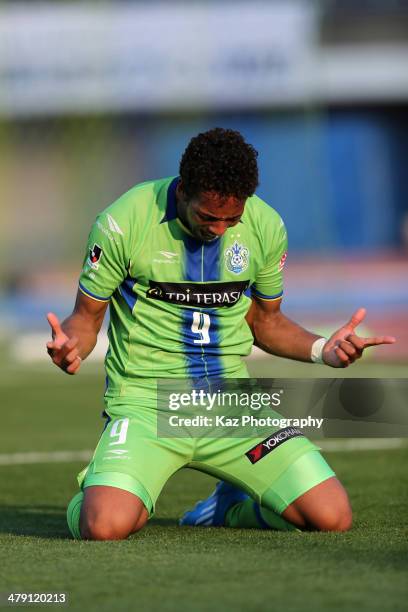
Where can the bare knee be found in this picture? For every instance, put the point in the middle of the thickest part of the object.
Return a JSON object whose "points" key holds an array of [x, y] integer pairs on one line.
{"points": [[331, 519], [109, 513], [325, 507], [107, 527], [103, 528], [334, 514], [337, 515]]}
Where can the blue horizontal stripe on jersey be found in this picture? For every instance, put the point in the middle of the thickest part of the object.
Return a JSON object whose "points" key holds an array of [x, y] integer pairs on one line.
{"points": [[97, 297], [126, 291], [266, 297]]}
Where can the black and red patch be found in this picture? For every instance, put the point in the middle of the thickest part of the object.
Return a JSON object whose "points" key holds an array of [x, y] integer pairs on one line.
{"points": [[265, 447], [95, 254]]}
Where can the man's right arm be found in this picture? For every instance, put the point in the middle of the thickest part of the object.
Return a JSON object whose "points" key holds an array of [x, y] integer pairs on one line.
{"points": [[74, 339]]}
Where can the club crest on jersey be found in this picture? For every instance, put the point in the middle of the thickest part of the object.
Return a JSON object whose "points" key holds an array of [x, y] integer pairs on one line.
{"points": [[95, 255], [236, 258]]}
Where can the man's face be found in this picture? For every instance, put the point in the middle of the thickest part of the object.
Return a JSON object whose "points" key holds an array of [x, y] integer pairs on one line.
{"points": [[209, 215]]}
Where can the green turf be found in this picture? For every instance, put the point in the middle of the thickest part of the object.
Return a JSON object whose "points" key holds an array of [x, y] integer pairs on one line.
{"points": [[274, 367], [171, 568]]}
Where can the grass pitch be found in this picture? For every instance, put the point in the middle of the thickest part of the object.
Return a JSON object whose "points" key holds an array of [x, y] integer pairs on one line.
{"points": [[167, 567]]}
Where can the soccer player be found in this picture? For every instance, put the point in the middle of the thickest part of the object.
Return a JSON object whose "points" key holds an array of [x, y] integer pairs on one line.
{"points": [[191, 267]]}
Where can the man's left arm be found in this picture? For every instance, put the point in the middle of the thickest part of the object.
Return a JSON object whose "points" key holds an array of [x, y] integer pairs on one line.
{"points": [[276, 334]]}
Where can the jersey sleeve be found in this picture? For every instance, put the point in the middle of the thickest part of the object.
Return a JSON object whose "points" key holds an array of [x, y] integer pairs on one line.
{"points": [[106, 260], [269, 281]]}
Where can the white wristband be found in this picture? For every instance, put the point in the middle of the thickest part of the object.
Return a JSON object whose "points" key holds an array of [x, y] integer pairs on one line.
{"points": [[316, 354]]}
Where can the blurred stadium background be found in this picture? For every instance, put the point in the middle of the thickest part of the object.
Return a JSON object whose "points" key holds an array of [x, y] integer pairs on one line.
{"points": [[95, 97]]}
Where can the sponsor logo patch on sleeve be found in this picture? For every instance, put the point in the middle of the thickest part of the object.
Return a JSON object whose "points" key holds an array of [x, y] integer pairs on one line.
{"points": [[95, 254], [283, 261]]}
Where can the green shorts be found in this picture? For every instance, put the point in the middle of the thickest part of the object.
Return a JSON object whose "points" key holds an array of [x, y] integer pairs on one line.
{"points": [[130, 456]]}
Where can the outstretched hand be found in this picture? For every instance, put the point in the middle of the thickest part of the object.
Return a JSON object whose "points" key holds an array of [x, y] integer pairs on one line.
{"points": [[63, 350], [344, 346]]}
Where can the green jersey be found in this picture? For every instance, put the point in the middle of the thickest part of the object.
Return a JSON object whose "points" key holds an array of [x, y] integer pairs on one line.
{"points": [[178, 305]]}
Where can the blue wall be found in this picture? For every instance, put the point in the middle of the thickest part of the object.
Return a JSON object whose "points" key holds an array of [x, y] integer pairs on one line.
{"points": [[337, 178]]}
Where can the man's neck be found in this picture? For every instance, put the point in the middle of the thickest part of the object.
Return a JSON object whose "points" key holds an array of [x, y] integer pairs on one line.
{"points": [[181, 211]]}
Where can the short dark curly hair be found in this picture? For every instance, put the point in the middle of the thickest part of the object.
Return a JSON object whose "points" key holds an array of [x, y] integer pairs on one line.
{"points": [[221, 161]]}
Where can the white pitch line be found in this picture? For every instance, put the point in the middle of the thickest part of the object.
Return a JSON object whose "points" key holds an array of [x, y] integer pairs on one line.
{"points": [[52, 457], [361, 444], [353, 444]]}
